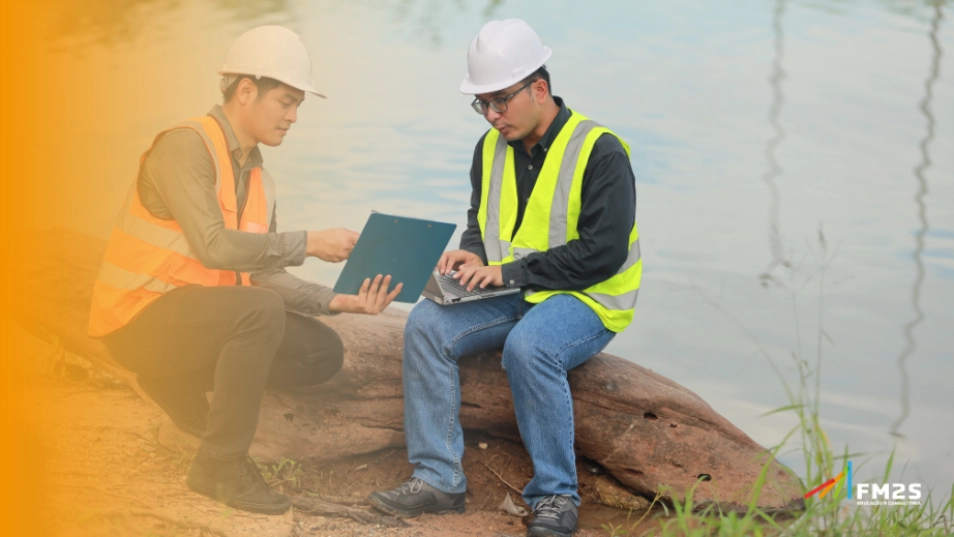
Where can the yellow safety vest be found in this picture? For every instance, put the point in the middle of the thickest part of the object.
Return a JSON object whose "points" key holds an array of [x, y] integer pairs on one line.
{"points": [[147, 257], [551, 216]]}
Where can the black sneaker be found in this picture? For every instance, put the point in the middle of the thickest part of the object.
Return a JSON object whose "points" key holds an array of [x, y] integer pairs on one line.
{"points": [[554, 516], [236, 484], [187, 409], [416, 497]]}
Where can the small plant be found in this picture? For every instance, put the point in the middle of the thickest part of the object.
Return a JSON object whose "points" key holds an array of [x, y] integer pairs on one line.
{"points": [[283, 471], [621, 530], [614, 530]]}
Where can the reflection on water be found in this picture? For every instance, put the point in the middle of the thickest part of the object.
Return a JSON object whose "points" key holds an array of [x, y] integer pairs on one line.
{"points": [[428, 17], [919, 173], [491, 8], [111, 23], [774, 171], [428, 23]]}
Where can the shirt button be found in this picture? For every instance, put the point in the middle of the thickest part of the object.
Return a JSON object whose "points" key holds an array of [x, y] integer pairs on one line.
{"points": [[530, 167], [545, 149], [511, 282]]}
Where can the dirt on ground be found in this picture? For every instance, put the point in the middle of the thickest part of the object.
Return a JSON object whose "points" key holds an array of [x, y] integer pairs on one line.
{"points": [[115, 466]]}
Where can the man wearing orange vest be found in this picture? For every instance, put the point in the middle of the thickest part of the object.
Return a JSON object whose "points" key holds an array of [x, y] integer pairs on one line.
{"points": [[192, 294]]}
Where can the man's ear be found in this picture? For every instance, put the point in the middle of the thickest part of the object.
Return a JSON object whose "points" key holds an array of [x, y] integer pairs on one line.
{"points": [[246, 91], [540, 90]]}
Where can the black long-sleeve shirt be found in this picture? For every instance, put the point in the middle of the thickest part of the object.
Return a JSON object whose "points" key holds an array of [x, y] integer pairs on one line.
{"points": [[607, 214]]}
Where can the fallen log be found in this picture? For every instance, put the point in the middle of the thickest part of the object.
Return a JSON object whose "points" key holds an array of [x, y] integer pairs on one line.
{"points": [[648, 432]]}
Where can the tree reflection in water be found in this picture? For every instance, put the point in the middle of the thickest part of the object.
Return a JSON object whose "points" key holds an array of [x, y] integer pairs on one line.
{"points": [[920, 173], [115, 22]]}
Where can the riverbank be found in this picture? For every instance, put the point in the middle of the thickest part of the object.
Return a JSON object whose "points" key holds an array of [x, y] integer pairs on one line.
{"points": [[115, 466]]}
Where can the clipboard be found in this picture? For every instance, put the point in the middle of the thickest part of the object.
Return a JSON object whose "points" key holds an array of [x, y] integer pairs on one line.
{"points": [[406, 248]]}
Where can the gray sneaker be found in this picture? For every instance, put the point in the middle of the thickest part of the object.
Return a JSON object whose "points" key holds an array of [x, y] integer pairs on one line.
{"points": [[416, 497], [554, 516]]}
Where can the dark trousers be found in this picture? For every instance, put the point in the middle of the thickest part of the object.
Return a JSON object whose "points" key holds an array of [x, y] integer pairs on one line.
{"points": [[236, 342]]}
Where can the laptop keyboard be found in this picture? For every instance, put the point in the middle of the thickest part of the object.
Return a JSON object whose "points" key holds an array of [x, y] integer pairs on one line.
{"points": [[451, 286]]}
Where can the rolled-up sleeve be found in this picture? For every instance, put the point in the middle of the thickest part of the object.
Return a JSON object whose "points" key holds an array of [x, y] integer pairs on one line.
{"points": [[299, 295]]}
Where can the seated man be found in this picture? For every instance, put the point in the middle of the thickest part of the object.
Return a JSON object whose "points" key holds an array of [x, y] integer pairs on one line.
{"points": [[192, 294], [553, 213]]}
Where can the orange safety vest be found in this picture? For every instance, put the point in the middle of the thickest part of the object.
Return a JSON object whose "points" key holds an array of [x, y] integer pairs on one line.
{"points": [[148, 256]]}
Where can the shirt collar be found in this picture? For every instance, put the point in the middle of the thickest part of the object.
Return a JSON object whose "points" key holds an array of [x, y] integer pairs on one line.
{"points": [[552, 131], [254, 156]]}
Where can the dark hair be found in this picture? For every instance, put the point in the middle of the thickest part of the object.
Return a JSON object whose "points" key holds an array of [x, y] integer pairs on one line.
{"points": [[541, 74], [264, 84]]}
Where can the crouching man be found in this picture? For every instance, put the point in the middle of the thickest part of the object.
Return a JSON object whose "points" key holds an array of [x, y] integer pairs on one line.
{"points": [[192, 294]]}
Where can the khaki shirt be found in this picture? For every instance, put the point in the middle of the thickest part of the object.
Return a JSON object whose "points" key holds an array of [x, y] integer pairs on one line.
{"points": [[177, 181]]}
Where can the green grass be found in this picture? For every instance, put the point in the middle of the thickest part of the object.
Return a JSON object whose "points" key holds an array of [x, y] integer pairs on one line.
{"points": [[833, 515], [282, 472]]}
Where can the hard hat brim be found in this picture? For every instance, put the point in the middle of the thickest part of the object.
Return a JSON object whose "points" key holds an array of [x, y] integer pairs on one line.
{"points": [[473, 89], [303, 87], [309, 89]]}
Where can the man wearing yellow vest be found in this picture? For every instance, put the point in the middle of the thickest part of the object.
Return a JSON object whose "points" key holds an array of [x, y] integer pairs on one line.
{"points": [[552, 213], [192, 294]]}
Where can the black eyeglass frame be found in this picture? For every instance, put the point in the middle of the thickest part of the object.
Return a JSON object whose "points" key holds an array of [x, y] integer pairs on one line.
{"points": [[499, 104]]}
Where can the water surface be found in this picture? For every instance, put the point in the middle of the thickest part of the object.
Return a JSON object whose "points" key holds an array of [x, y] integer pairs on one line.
{"points": [[793, 161]]}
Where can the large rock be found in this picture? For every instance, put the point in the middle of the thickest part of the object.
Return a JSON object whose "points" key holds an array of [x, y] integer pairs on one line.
{"points": [[647, 431]]}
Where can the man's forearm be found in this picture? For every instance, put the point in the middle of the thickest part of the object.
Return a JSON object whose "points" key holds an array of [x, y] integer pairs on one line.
{"points": [[299, 295], [241, 251]]}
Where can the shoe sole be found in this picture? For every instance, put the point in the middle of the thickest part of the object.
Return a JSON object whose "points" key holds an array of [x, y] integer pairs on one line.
{"points": [[262, 509], [543, 532], [383, 507]]}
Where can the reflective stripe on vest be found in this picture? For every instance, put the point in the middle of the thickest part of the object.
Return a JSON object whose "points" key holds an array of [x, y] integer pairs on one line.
{"points": [[551, 216], [148, 256]]}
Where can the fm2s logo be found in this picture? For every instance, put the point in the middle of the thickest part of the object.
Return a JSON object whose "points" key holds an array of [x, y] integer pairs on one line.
{"points": [[870, 493]]}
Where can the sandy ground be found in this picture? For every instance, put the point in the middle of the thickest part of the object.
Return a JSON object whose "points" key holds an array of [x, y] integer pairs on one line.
{"points": [[116, 467]]}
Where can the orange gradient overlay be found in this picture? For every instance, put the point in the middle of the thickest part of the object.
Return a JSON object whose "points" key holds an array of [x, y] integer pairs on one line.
{"points": [[73, 128]]}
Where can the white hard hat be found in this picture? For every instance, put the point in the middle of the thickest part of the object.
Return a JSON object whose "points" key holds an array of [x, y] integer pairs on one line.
{"points": [[273, 52], [502, 54]]}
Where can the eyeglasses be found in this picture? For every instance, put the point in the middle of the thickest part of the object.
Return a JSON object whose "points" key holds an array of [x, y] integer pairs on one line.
{"points": [[498, 105]]}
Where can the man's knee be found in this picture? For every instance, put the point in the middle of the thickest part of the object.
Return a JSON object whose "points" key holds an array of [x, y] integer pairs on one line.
{"points": [[311, 353], [331, 355], [523, 352], [263, 310], [422, 317], [423, 322]]}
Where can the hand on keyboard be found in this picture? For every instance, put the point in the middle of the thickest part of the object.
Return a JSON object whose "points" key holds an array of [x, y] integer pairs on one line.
{"points": [[472, 276]]}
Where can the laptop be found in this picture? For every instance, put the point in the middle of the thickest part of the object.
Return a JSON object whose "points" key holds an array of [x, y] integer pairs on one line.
{"points": [[406, 248], [445, 290]]}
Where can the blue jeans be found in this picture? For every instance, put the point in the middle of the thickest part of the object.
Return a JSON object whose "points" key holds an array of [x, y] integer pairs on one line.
{"points": [[540, 344]]}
